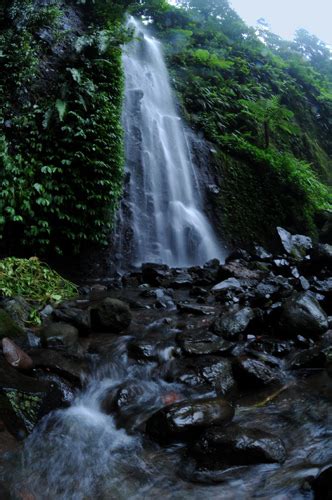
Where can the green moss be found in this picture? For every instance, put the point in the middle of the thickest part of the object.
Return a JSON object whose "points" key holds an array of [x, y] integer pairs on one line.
{"points": [[25, 406], [8, 328], [260, 190]]}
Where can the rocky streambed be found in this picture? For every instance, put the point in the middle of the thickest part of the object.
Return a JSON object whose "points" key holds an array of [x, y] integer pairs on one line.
{"points": [[211, 380]]}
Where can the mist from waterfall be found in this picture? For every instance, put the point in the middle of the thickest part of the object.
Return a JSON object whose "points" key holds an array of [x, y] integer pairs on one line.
{"points": [[163, 207]]}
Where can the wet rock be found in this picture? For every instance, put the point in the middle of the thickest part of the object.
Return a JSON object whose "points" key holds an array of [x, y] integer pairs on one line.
{"points": [[305, 285], [250, 373], [282, 266], [273, 288], [151, 349], [46, 312], [324, 289], [182, 280], [302, 315], [187, 419], [111, 315], [15, 356], [198, 343], [8, 328], [24, 400], [322, 485], [310, 358], [68, 312], [18, 309], [233, 445], [226, 287], [261, 254], [204, 371], [198, 310], [274, 347], [323, 286], [59, 334], [231, 324], [154, 274], [297, 246], [239, 269], [69, 367]]}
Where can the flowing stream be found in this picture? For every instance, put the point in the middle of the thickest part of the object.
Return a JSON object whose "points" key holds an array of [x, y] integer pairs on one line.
{"points": [[85, 452], [162, 218]]}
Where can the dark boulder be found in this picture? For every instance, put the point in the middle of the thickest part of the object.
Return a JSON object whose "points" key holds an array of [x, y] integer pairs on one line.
{"points": [[310, 358], [69, 367], [8, 328], [69, 312], [251, 373], [274, 347], [203, 371], [240, 269], [197, 310], [302, 315], [228, 285], [155, 274], [59, 334], [110, 315], [273, 288], [187, 419], [152, 349], [231, 324], [181, 280], [200, 342], [15, 356], [233, 445], [18, 309]]}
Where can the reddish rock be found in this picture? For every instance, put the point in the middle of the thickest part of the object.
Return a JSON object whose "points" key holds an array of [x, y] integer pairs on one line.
{"points": [[15, 356]]}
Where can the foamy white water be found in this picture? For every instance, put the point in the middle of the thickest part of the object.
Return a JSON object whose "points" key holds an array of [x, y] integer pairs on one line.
{"points": [[164, 203]]}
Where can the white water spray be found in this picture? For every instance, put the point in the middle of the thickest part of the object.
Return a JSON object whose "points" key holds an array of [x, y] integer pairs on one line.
{"points": [[164, 203]]}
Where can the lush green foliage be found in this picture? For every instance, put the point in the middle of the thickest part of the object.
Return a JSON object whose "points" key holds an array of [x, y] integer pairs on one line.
{"points": [[33, 280], [61, 152], [263, 102]]}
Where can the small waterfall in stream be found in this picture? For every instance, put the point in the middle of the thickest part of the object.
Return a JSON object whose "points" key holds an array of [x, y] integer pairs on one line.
{"points": [[162, 217]]}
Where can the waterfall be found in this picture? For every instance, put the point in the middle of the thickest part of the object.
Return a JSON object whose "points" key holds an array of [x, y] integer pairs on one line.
{"points": [[162, 218]]}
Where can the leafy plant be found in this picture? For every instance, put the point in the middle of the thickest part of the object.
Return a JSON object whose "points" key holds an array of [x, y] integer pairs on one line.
{"points": [[34, 281]]}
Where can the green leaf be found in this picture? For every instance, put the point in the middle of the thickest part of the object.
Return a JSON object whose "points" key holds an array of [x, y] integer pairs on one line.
{"points": [[61, 107]]}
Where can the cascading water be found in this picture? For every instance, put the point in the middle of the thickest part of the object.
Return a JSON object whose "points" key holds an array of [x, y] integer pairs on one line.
{"points": [[164, 204]]}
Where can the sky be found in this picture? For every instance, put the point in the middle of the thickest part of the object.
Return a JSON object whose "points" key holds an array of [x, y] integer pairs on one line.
{"points": [[286, 16]]}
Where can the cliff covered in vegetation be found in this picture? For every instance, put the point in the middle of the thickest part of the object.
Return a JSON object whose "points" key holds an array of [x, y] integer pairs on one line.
{"points": [[263, 104], [61, 143]]}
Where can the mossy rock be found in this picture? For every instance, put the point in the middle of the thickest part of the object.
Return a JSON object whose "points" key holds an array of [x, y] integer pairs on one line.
{"points": [[25, 400], [8, 328]]}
